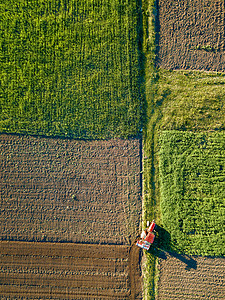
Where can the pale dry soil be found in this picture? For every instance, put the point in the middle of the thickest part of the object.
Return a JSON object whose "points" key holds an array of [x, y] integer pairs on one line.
{"points": [[191, 35], [62, 190], [190, 277]]}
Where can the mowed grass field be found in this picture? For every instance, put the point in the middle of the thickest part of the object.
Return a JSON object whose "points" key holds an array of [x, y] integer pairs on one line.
{"points": [[190, 100], [70, 68]]}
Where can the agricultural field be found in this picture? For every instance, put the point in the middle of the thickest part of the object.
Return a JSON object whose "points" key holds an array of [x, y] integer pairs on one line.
{"points": [[71, 68], [86, 71], [180, 101], [69, 271], [192, 188], [191, 35], [190, 277], [68, 190], [183, 100]]}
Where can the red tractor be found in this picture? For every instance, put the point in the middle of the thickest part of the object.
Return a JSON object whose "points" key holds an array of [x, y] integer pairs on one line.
{"points": [[147, 236]]}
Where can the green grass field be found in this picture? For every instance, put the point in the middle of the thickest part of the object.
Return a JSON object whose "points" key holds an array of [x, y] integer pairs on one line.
{"points": [[192, 188], [70, 68]]}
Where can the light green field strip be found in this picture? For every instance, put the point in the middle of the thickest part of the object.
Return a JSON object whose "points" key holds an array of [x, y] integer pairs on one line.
{"points": [[190, 100]]}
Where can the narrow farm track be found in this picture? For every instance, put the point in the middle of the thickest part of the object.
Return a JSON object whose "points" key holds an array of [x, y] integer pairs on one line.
{"points": [[69, 271]]}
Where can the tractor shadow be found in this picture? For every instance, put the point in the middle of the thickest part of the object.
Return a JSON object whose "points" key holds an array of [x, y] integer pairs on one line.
{"points": [[162, 249]]}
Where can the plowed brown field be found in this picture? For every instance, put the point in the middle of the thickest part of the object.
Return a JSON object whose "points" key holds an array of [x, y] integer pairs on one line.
{"points": [[191, 277], [68, 190], [69, 271], [191, 34]]}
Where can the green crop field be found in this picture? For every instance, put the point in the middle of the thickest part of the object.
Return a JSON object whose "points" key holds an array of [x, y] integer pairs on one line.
{"points": [[192, 188], [70, 68]]}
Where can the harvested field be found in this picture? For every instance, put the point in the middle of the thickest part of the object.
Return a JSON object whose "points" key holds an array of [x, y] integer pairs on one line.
{"points": [[191, 34], [69, 271], [69, 190], [191, 277]]}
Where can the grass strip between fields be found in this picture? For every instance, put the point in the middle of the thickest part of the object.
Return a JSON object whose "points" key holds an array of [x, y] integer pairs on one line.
{"points": [[148, 210]]}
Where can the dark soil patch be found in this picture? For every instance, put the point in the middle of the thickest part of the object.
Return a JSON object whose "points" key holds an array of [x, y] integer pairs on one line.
{"points": [[69, 190], [69, 271], [191, 34]]}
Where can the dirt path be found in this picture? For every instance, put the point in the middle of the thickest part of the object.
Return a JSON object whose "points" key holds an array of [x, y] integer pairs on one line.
{"points": [[135, 272], [69, 271]]}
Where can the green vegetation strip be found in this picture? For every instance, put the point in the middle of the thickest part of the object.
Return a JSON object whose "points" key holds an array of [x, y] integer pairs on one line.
{"points": [[192, 184], [70, 68], [149, 208]]}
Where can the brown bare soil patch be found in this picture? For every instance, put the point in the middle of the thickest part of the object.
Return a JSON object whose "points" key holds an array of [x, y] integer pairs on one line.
{"points": [[68, 190], [191, 277], [68, 271], [191, 34]]}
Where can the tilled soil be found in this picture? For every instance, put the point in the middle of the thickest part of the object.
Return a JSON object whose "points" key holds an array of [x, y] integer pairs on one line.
{"points": [[190, 277], [191, 34], [67, 190], [31, 270]]}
